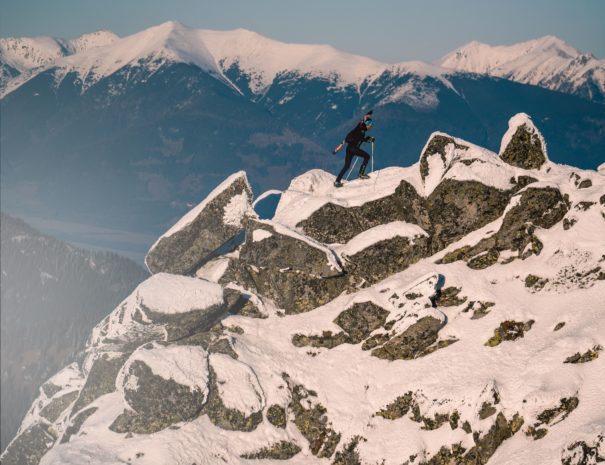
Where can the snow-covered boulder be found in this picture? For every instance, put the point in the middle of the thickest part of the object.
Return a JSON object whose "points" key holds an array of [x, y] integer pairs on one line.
{"points": [[212, 224], [523, 145]]}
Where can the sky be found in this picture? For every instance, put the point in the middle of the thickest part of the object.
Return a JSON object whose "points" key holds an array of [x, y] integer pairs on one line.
{"points": [[386, 30]]}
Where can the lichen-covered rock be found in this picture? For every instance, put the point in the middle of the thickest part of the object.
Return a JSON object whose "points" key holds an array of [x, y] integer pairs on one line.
{"points": [[413, 342], [276, 415], [552, 416], [156, 402], [57, 406], [358, 322], [29, 446], [205, 229], [388, 257], [408, 404], [298, 274], [588, 356], [310, 417], [535, 282], [101, 380], [523, 146], [349, 455], [536, 207], [457, 207], [509, 330], [282, 450], [448, 297]]}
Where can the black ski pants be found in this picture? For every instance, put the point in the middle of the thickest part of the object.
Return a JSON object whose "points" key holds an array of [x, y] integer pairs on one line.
{"points": [[352, 151]]}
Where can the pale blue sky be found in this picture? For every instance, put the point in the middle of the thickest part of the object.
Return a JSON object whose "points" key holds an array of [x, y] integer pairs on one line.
{"points": [[387, 30]]}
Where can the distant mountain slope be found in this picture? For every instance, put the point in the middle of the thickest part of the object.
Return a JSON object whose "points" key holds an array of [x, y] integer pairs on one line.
{"points": [[547, 62], [52, 294]]}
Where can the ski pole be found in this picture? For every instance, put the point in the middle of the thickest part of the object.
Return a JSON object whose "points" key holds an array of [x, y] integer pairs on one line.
{"points": [[372, 157], [352, 168]]}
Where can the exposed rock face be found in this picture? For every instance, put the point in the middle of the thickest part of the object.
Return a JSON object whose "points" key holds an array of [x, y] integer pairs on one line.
{"points": [[536, 207], [212, 225], [509, 331], [336, 224], [29, 447], [297, 274], [523, 145], [438, 145]]}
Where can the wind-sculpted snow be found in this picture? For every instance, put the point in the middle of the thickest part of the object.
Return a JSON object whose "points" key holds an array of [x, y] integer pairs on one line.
{"points": [[440, 313]]}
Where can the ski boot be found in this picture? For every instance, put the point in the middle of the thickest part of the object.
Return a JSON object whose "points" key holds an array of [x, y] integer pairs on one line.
{"points": [[337, 184], [363, 176]]}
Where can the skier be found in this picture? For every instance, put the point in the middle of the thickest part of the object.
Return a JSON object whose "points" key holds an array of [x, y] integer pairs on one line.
{"points": [[354, 139]]}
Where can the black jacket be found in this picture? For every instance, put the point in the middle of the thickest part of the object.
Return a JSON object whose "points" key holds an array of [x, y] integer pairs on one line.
{"points": [[357, 135]]}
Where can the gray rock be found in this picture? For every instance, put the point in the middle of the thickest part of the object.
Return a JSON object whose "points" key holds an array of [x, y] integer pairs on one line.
{"points": [[29, 446], [524, 149], [186, 250]]}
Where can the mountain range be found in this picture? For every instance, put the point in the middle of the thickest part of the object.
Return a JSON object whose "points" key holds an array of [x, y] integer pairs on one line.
{"points": [[160, 116], [447, 312]]}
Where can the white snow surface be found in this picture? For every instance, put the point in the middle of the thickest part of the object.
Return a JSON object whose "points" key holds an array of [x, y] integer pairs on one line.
{"points": [[380, 233], [170, 294], [238, 385], [548, 62], [186, 365]]}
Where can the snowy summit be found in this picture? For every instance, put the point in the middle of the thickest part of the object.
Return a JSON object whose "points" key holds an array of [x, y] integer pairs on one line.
{"points": [[449, 312]]}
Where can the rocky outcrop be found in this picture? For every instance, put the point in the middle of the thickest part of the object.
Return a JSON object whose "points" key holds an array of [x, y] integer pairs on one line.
{"points": [[509, 330], [438, 145], [535, 207], [29, 446], [213, 224], [523, 146], [296, 272], [336, 224]]}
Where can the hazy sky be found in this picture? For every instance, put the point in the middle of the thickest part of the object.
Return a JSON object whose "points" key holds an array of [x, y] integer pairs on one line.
{"points": [[387, 30]]}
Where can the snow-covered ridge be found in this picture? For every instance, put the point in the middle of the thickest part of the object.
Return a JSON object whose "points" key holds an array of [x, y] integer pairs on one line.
{"points": [[260, 58], [548, 62]]}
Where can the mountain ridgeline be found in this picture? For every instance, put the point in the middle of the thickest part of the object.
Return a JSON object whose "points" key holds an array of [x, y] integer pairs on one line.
{"points": [[52, 295], [449, 312], [161, 116]]}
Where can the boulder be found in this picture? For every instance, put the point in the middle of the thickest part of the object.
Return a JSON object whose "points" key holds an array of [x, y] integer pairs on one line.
{"points": [[523, 145], [210, 226]]}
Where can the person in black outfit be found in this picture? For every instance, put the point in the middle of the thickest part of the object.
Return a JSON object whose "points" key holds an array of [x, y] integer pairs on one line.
{"points": [[354, 139]]}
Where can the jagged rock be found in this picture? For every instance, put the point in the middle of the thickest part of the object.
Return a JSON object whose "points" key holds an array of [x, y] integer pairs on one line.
{"points": [[582, 453], [336, 224], [282, 450], [559, 325], [535, 282], [29, 446], [50, 389], [568, 223], [57, 406], [523, 146], [584, 184], [408, 403], [76, 423], [587, 356], [509, 331], [458, 207], [349, 455], [284, 266], [100, 380], [537, 207], [412, 343], [388, 257], [211, 225], [312, 421], [552, 416], [448, 297], [479, 308], [437, 145]]}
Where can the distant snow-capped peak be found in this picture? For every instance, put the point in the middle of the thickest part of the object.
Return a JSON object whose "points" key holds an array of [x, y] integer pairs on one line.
{"points": [[547, 62], [260, 58]]}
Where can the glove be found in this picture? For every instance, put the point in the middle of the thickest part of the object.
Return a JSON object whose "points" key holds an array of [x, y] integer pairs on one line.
{"points": [[370, 139]]}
